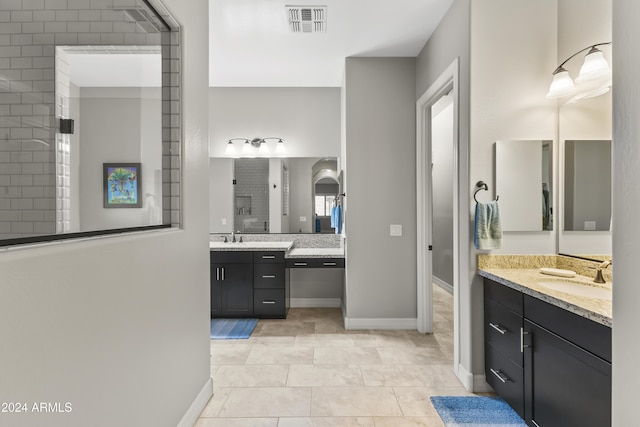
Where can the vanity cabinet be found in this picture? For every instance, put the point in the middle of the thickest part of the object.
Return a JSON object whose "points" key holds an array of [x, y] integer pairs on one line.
{"points": [[231, 284], [552, 366], [248, 284]]}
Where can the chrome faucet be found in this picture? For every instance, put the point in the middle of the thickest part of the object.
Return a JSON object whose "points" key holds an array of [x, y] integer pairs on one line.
{"points": [[599, 278], [233, 237]]}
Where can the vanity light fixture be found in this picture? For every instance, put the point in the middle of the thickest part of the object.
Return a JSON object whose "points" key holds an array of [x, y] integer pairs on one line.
{"points": [[255, 147], [594, 78]]}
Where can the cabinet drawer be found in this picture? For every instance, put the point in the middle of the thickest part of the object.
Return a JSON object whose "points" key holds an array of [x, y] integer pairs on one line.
{"points": [[269, 276], [315, 263], [231, 257], [268, 257], [269, 302], [506, 378], [502, 329], [504, 295], [585, 333]]}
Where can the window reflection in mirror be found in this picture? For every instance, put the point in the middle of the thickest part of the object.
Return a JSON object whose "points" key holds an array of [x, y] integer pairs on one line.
{"points": [[587, 185], [524, 185]]}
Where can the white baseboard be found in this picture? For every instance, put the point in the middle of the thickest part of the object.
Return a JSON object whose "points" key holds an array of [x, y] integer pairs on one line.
{"points": [[444, 285], [472, 383], [410, 324], [197, 406], [316, 302]]}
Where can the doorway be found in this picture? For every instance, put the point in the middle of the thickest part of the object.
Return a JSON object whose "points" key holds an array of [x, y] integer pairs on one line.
{"points": [[438, 177]]}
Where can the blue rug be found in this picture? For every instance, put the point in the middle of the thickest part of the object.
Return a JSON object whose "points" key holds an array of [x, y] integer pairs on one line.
{"points": [[477, 411], [232, 329]]}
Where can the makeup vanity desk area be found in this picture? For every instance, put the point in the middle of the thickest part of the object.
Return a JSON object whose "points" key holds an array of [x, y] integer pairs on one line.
{"points": [[252, 279]]}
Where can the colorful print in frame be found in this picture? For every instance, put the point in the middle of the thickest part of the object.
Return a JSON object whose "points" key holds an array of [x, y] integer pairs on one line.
{"points": [[122, 183]]}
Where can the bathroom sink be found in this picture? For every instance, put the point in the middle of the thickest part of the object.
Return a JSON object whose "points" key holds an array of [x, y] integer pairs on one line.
{"points": [[578, 288]]}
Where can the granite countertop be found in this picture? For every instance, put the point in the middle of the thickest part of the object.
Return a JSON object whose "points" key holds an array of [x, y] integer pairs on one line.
{"points": [[528, 281], [315, 253], [250, 246]]}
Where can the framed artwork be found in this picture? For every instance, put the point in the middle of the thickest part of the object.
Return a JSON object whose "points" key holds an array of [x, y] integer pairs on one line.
{"points": [[121, 185]]}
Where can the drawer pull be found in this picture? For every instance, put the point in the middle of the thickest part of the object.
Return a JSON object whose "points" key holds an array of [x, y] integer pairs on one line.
{"points": [[300, 264], [268, 302], [502, 377], [268, 276], [268, 257], [329, 264], [498, 328]]}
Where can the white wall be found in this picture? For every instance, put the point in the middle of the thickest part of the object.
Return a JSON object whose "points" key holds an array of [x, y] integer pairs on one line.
{"points": [[626, 208], [221, 195], [120, 125], [380, 126], [308, 119], [118, 326]]}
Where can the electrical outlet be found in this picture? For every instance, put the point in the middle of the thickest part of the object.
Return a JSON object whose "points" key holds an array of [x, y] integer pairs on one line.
{"points": [[224, 221], [303, 219], [589, 225], [395, 230]]}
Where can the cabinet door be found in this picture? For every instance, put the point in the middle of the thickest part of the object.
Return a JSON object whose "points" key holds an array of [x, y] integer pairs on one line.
{"points": [[564, 384], [216, 290], [236, 288]]}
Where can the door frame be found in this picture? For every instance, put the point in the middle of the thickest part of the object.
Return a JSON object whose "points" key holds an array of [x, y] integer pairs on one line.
{"points": [[448, 82]]}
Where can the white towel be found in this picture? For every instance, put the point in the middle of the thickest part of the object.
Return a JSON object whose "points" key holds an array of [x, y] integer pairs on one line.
{"points": [[488, 230]]}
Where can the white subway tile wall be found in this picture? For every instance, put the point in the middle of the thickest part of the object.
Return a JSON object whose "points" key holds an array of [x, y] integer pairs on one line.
{"points": [[35, 159]]}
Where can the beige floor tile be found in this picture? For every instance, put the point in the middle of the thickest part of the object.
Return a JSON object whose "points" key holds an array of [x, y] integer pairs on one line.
{"points": [[384, 339], [237, 422], [264, 402], [408, 375], [325, 340], [285, 329], [236, 355], [280, 356], [324, 375], [251, 376], [408, 422], [327, 422], [271, 341], [346, 355], [412, 356], [414, 401], [354, 401], [214, 405]]}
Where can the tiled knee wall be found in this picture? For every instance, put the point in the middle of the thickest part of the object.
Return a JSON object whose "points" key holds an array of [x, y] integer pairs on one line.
{"points": [[33, 163]]}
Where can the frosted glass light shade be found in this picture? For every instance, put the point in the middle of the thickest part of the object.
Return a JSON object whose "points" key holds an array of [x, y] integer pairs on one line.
{"points": [[246, 149], [280, 150], [230, 150], [561, 85], [594, 67], [264, 149]]}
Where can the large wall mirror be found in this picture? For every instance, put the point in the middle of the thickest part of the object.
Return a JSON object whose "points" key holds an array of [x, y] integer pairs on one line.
{"points": [[90, 126], [273, 195]]}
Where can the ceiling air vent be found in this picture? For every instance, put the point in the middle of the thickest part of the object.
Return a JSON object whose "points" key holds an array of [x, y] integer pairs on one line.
{"points": [[307, 19]]}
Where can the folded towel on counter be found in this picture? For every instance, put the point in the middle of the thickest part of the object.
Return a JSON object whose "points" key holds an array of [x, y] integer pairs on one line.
{"points": [[488, 230]]}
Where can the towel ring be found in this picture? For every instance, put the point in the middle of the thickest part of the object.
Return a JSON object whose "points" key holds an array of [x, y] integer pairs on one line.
{"points": [[481, 185]]}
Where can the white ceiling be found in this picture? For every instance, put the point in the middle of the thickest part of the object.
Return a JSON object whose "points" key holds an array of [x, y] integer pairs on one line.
{"points": [[250, 44]]}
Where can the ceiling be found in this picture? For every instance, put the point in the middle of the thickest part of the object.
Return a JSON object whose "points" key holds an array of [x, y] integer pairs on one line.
{"points": [[250, 43]]}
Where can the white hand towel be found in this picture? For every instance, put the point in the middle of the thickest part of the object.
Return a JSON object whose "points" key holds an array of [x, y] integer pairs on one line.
{"points": [[488, 230]]}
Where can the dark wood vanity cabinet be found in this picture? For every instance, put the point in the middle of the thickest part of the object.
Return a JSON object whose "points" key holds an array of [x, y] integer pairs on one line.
{"points": [[248, 284], [552, 366]]}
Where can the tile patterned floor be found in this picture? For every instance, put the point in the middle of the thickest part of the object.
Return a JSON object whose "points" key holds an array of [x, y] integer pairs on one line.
{"points": [[308, 371]]}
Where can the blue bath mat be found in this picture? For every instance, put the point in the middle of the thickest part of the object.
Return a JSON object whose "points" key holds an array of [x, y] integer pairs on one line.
{"points": [[476, 411], [232, 329]]}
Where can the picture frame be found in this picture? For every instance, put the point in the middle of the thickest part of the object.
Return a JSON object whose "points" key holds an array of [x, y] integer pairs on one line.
{"points": [[122, 184]]}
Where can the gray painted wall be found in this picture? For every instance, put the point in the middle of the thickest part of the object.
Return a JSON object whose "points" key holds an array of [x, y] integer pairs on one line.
{"points": [[96, 321], [626, 208], [380, 163]]}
